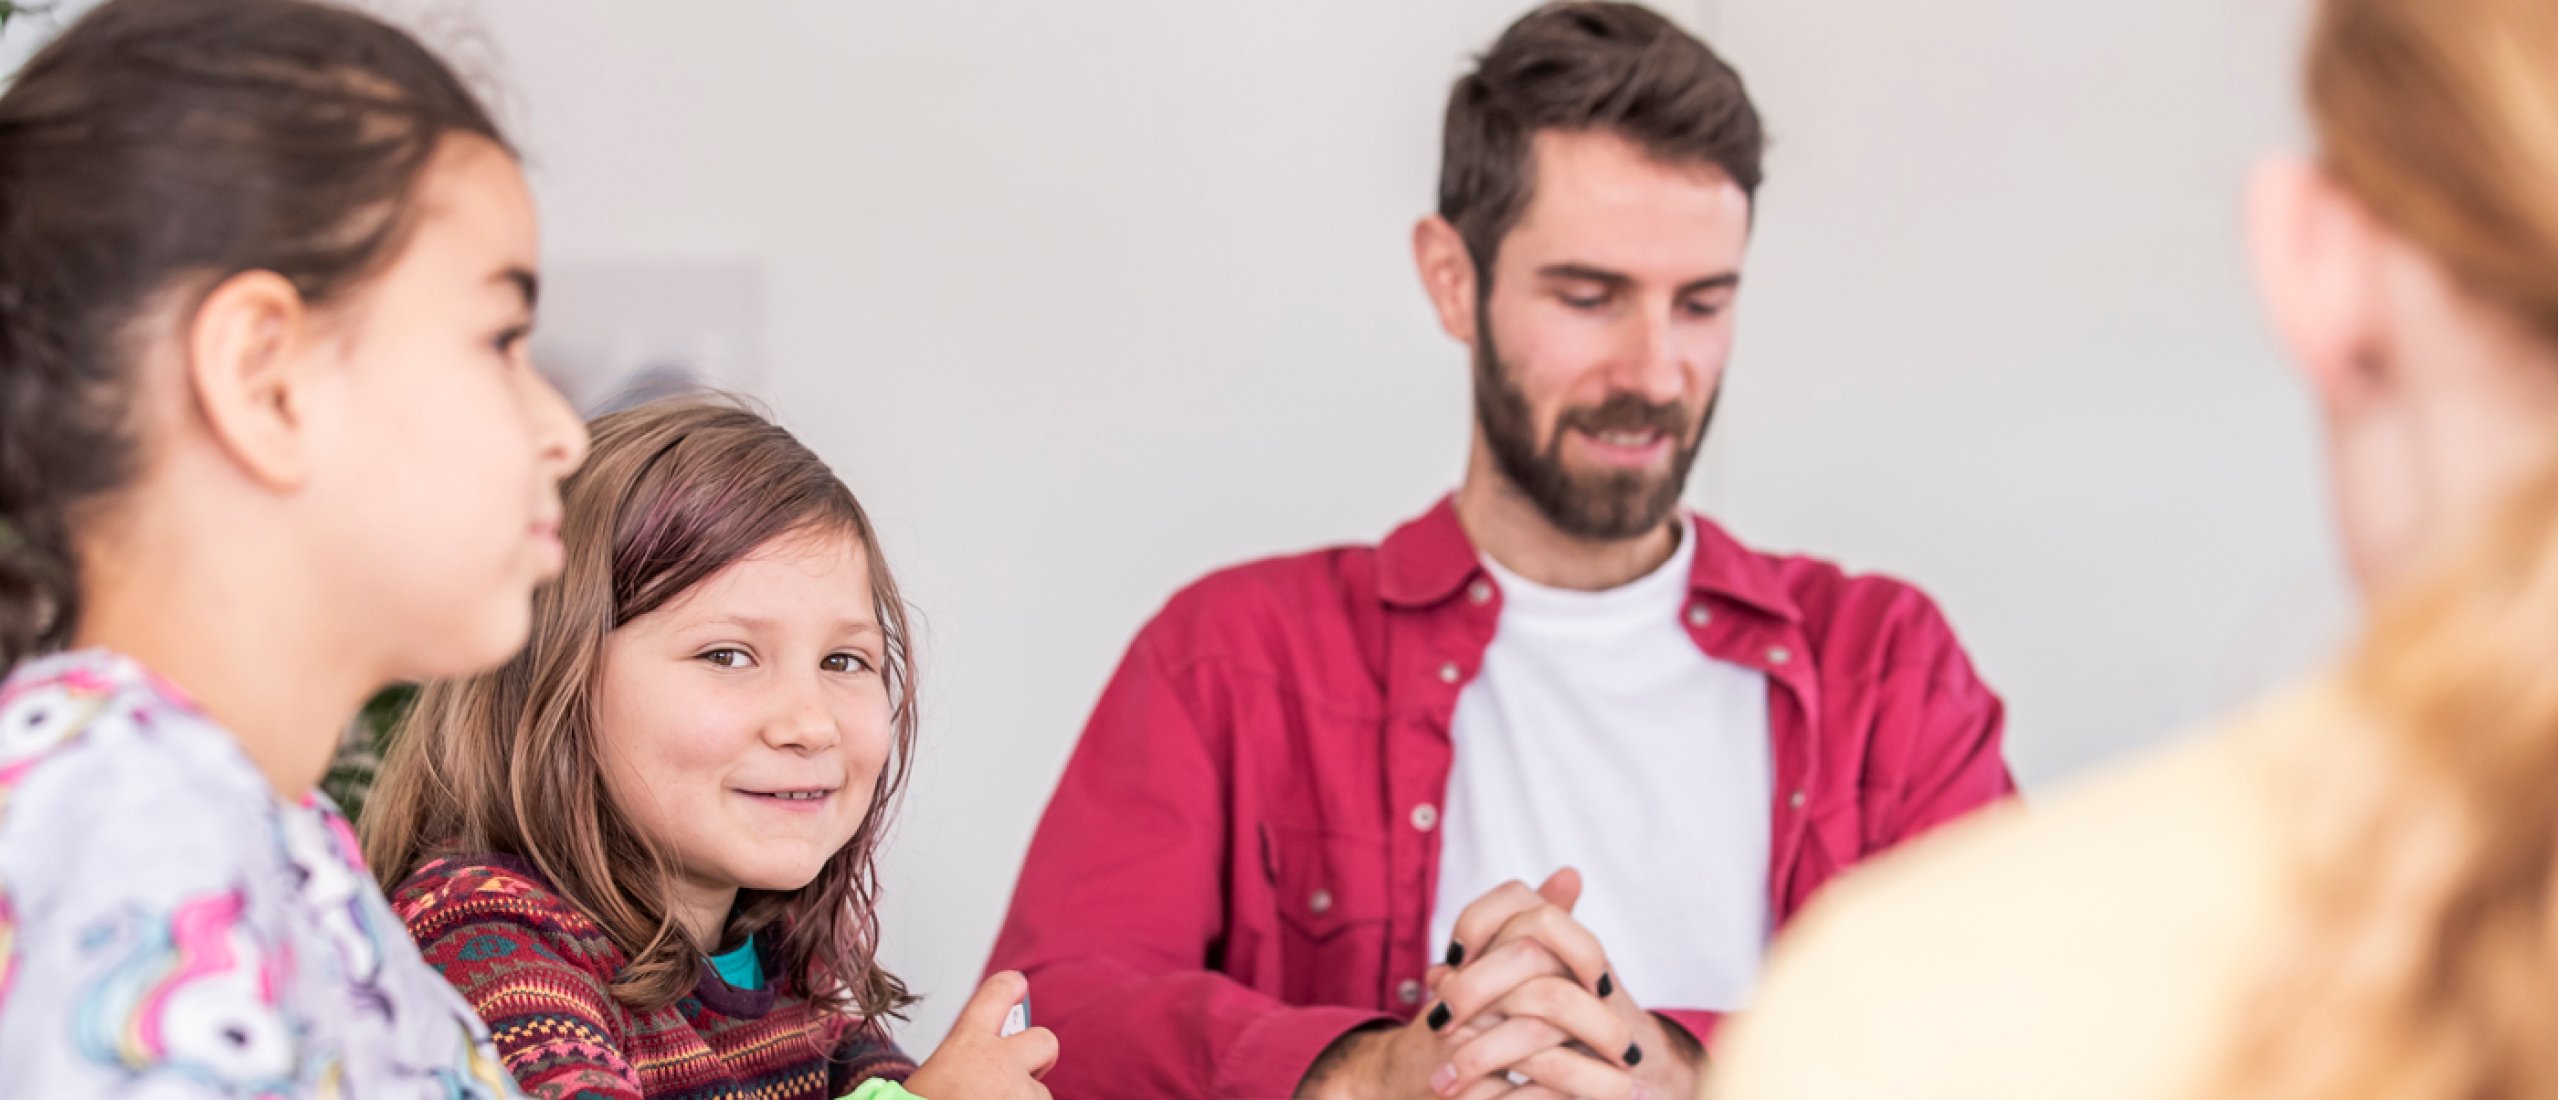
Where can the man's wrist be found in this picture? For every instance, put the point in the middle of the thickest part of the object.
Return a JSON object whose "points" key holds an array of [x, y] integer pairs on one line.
{"points": [[1678, 1067], [1683, 1041], [1336, 1072]]}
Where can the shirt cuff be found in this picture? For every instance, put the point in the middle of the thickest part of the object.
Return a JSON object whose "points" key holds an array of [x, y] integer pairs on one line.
{"points": [[1272, 1055]]}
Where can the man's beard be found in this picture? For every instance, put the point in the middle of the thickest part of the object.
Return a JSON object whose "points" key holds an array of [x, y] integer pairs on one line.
{"points": [[1610, 506]]}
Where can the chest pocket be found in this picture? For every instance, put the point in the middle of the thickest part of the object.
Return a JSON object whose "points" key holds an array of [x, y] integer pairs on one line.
{"points": [[1333, 908]]}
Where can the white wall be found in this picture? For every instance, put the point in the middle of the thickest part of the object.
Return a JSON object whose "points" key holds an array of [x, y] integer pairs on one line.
{"points": [[2000, 338], [1085, 299]]}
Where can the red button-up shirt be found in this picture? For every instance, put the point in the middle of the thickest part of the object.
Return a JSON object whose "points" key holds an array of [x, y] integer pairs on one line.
{"points": [[1239, 864]]}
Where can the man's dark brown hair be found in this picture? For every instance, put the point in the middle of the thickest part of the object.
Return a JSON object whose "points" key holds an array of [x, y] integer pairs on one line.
{"points": [[1613, 67]]}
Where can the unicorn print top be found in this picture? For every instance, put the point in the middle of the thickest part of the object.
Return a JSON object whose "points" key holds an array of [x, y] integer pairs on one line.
{"points": [[170, 928]]}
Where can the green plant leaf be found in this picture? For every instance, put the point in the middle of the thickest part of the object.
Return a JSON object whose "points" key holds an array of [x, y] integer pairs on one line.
{"points": [[12, 8], [368, 739]]}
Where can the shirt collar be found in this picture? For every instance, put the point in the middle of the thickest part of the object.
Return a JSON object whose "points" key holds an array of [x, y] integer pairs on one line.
{"points": [[1429, 559]]}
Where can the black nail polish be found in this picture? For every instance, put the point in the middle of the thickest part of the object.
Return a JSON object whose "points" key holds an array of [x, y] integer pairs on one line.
{"points": [[1607, 985], [1439, 1017], [1633, 1054], [1456, 953]]}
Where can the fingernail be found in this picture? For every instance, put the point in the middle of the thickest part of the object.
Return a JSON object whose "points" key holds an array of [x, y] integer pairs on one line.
{"points": [[1438, 1020], [1633, 1054], [1456, 953], [1607, 985], [1445, 1080]]}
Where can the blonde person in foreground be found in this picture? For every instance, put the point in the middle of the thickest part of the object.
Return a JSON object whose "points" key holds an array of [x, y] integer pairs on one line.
{"points": [[2352, 890]]}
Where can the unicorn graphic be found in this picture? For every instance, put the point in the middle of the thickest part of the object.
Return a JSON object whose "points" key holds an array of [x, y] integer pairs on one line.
{"points": [[195, 994], [326, 854], [39, 717], [476, 1076]]}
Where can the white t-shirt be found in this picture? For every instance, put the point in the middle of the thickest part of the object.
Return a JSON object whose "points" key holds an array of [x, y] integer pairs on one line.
{"points": [[1598, 736]]}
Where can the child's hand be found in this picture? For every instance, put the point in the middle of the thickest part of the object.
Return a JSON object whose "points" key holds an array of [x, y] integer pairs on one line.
{"points": [[976, 1063]]}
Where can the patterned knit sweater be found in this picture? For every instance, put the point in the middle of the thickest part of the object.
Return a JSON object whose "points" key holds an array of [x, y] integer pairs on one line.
{"points": [[538, 971]]}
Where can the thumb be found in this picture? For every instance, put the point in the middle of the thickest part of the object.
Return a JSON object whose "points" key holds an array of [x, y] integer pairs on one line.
{"points": [[1036, 1049], [984, 1013], [1562, 889]]}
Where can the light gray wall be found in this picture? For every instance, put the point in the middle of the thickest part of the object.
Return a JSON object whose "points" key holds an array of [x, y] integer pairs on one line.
{"points": [[1086, 299]]}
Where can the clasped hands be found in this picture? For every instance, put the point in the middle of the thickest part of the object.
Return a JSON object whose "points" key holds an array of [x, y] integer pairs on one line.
{"points": [[1525, 1007]]}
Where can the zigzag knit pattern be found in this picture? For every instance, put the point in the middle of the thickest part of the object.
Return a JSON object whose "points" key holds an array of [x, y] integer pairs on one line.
{"points": [[539, 971]]}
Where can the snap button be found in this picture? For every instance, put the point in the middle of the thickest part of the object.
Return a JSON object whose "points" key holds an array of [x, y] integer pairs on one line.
{"points": [[1320, 903], [1778, 655], [1699, 616], [1425, 817], [1409, 992], [1448, 673], [1480, 593]]}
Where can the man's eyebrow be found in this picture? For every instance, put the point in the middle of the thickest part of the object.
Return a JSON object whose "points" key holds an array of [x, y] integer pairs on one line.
{"points": [[1583, 273]]}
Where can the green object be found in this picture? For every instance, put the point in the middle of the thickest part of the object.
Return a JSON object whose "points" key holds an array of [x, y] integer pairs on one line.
{"points": [[10, 8], [881, 1090], [359, 756], [741, 968]]}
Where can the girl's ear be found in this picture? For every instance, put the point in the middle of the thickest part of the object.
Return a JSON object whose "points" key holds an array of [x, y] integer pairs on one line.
{"points": [[246, 373]]}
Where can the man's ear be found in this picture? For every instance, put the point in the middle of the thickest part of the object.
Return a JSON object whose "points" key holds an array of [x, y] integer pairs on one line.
{"points": [[243, 376], [2318, 257], [1447, 274]]}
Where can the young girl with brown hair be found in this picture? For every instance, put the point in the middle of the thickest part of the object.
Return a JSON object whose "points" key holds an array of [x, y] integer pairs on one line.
{"points": [[645, 849]]}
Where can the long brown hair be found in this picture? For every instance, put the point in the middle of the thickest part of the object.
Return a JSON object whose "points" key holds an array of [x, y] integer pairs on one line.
{"points": [[507, 762], [2426, 965], [152, 151]]}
